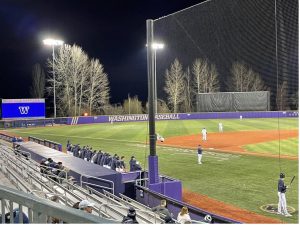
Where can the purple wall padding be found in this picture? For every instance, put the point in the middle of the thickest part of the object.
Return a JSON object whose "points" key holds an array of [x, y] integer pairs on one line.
{"points": [[157, 187], [180, 116], [153, 169], [152, 199], [173, 189], [127, 177]]}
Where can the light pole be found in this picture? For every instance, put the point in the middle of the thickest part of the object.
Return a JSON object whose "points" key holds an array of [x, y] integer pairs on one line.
{"points": [[156, 46], [53, 43]]}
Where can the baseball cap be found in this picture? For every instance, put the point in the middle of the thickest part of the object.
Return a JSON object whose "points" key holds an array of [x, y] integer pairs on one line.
{"points": [[131, 211], [85, 203]]}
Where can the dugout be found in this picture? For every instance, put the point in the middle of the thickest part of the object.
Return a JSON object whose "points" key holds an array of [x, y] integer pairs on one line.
{"points": [[80, 169], [233, 101]]}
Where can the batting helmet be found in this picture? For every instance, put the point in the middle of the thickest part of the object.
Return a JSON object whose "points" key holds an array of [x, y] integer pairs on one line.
{"points": [[282, 175], [207, 218]]}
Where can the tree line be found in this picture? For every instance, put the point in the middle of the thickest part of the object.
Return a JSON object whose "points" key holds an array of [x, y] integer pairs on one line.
{"points": [[81, 85]]}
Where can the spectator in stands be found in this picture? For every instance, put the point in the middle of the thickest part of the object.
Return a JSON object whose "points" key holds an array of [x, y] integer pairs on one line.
{"points": [[168, 219], [86, 206], [54, 198], [14, 139], [63, 174], [131, 216], [16, 214], [20, 139], [76, 205], [43, 166], [184, 216], [132, 163], [162, 210]]}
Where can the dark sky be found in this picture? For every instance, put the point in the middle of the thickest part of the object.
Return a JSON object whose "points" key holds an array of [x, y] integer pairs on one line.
{"points": [[113, 31]]}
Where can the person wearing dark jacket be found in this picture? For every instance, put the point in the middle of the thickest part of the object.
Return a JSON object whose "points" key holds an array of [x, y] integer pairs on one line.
{"points": [[282, 206], [132, 163], [131, 217], [162, 210]]}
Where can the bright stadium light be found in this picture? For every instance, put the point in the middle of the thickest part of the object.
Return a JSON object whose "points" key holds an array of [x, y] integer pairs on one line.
{"points": [[156, 46], [53, 43]]}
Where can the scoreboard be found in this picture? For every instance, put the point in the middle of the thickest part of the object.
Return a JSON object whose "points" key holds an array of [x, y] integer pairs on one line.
{"points": [[22, 108]]}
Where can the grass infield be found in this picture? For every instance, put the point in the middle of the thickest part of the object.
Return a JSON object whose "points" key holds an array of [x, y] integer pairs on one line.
{"points": [[244, 181]]}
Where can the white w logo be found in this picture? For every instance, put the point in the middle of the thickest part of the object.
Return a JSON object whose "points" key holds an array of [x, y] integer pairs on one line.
{"points": [[24, 109]]}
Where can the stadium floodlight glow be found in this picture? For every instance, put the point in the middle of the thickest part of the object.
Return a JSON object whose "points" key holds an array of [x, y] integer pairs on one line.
{"points": [[53, 43], [157, 45]]}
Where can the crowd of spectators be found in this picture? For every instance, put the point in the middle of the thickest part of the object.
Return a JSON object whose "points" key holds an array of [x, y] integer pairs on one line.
{"points": [[54, 170], [102, 158]]}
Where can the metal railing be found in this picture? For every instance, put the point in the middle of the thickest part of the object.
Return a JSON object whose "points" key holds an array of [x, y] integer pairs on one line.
{"points": [[39, 210], [111, 183]]}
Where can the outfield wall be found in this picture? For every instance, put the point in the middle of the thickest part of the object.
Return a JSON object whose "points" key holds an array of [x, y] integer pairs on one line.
{"points": [[180, 116], [143, 117]]}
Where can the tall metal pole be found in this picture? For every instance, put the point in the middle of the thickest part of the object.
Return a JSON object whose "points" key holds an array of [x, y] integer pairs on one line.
{"points": [[151, 88], [155, 85], [152, 158], [54, 94]]}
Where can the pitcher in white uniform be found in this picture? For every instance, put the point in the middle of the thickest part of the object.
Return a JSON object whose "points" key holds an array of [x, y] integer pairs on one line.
{"points": [[204, 134]]}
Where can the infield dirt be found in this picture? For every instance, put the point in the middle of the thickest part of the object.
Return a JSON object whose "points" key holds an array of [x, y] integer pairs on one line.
{"points": [[232, 142]]}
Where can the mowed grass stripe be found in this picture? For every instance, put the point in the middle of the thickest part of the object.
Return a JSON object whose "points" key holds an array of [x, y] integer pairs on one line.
{"points": [[246, 181], [287, 147]]}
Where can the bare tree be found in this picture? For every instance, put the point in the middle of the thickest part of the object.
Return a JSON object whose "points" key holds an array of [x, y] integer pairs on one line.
{"points": [[295, 100], [133, 105], [282, 96], [199, 69], [80, 83], [188, 92], [116, 109], [174, 86], [97, 88], [37, 89], [244, 79], [205, 76], [212, 81]]}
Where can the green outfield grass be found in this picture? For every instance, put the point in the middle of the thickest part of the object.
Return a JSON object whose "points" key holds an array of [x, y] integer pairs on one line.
{"points": [[287, 147], [244, 181]]}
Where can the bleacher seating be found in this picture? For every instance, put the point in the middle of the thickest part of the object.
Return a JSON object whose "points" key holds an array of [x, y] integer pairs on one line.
{"points": [[27, 176]]}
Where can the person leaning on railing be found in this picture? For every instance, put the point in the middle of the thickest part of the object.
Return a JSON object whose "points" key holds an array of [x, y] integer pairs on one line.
{"points": [[162, 210]]}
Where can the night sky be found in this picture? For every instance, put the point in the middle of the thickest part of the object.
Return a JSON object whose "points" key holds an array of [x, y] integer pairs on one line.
{"points": [[113, 31]]}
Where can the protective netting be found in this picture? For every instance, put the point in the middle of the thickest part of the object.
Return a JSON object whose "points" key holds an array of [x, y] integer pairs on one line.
{"points": [[233, 101], [254, 38]]}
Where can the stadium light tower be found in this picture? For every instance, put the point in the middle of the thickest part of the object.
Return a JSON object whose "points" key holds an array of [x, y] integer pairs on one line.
{"points": [[156, 46], [53, 43]]}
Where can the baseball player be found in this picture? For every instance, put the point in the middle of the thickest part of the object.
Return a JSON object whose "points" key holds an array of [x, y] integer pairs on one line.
{"points": [[281, 195], [160, 138], [220, 127], [199, 152], [204, 134]]}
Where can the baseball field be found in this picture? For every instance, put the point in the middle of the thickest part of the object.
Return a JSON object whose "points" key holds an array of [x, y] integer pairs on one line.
{"points": [[240, 166]]}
